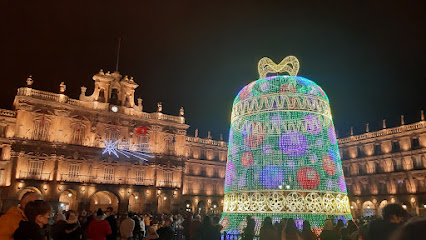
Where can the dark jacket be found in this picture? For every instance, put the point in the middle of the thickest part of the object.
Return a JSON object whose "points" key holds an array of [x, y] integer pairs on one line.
{"points": [[58, 230], [114, 229], [29, 231], [329, 235], [207, 232], [73, 231], [165, 233], [268, 233], [380, 229]]}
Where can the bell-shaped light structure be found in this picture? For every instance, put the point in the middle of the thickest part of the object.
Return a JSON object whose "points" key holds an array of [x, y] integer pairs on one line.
{"points": [[283, 158]]}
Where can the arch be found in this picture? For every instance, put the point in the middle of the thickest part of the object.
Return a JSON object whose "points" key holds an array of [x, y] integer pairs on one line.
{"points": [[103, 199], [135, 203], [382, 205], [28, 189], [164, 203], [368, 209], [68, 200], [201, 207]]}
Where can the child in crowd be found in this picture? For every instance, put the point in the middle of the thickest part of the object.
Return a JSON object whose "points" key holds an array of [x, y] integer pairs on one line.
{"points": [[38, 214]]}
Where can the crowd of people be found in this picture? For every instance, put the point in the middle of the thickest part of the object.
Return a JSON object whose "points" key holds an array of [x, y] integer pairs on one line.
{"points": [[394, 224], [34, 219]]}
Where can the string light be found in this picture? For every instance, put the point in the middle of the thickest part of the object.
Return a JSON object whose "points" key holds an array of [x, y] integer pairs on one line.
{"points": [[283, 157], [138, 151]]}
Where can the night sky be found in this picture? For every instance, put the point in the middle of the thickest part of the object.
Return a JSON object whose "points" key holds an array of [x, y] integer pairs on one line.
{"points": [[369, 58]]}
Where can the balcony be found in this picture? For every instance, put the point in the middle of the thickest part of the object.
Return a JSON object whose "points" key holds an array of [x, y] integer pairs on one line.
{"points": [[105, 180], [169, 184], [34, 175], [140, 181]]}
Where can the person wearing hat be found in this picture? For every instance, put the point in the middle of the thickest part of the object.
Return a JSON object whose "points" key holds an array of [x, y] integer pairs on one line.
{"points": [[98, 228]]}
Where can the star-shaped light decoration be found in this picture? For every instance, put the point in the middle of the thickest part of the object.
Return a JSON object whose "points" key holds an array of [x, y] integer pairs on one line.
{"points": [[140, 152]]}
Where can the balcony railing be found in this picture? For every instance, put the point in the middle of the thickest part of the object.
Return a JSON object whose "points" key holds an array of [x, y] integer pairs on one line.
{"points": [[140, 181], [105, 180], [206, 141], [55, 97], [7, 113], [34, 175], [170, 184], [74, 178], [383, 132]]}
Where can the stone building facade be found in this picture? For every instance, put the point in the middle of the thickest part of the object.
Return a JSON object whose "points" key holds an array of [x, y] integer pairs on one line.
{"points": [[386, 166], [54, 145]]}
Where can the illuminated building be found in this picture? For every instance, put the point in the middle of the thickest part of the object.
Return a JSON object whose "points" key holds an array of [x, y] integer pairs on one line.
{"points": [[386, 166], [55, 145], [283, 157]]}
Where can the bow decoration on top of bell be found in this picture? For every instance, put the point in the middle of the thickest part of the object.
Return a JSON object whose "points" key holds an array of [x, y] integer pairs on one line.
{"points": [[289, 64]]}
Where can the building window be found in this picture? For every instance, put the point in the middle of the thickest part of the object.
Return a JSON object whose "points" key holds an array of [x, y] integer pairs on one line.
{"points": [[41, 129], [73, 172], [377, 149], [346, 171], [415, 144], [418, 162], [397, 165], [78, 133], [383, 189], [109, 174], [361, 152], [35, 169], [402, 188], [378, 168], [361, 170], [142, 141], [203, 171], [395, 146], [345, 154], [140, 175], [168, 178], [112, 135], [215, 191]]}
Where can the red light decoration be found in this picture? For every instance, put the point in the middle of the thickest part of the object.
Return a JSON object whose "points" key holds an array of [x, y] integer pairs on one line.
{"points": [[247, 159], [308, 177], [141, 130]]}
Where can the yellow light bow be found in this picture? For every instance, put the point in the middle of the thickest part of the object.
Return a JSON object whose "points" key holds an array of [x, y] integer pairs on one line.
{"points": [[289, 64]]}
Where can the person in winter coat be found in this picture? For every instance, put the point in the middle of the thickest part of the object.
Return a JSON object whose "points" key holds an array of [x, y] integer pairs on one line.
{"points": [[187, 226], [37, 214], [9, 222], [127, 226], [382, 229], [290, 232], [73, 230], [57, 231], [328, 232], [248, 233], [152, 234], [98, 228], [207, 231], [166, 232], [307, 233], [267, 231], [195, 224], [112, 223]]}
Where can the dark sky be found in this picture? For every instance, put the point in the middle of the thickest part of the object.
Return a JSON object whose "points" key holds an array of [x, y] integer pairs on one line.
{"points": [[368, 57]]}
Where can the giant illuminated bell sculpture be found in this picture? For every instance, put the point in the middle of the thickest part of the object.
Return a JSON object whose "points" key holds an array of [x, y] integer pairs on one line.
{"points": [[283, 158]]}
